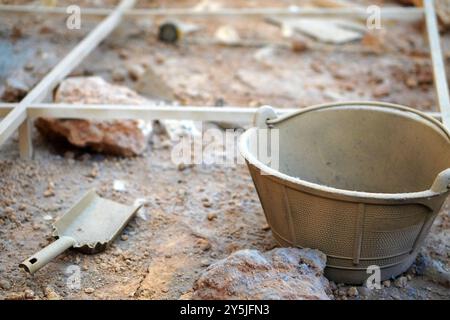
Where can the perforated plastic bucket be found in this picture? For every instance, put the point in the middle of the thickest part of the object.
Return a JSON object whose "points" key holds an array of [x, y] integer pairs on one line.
{"points": [[360, 181]]}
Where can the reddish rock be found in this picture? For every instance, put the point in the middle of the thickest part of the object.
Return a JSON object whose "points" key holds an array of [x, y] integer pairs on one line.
{"points": [[16, 87], [119, 137], [283, 273]]}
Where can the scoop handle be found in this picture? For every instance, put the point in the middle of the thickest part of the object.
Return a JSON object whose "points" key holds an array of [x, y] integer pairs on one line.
{"points": [[41, 258]]}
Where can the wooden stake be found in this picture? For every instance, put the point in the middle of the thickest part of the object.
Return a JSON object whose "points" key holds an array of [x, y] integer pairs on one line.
{"points": [[440, 78], [18, 115], [145, 112], [388, 13]]}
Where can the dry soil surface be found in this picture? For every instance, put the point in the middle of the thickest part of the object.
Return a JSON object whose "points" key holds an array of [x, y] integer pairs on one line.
{"points": [[196, 216]]}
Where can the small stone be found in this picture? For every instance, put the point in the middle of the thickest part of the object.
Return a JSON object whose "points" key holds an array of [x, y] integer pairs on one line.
{"points": [[381, 91], [204, 263], [135, 71], [352, 292], [364, 291], [29, 294], [15, 296], [119, 185], [124, 237], [211, 216], [94, 172], [387, 283], [69, 155], [251, 274], [118, 75], [89, 290], [207, 204], [15, 89], [266, 227], [22, 207], [103, 266], [411, 82], [401, 282], [299, 46], [123, 54], [51, 294], [342, 292], [5, 285], [409, 277], [29, 66], [203, 244], [49, 193]]}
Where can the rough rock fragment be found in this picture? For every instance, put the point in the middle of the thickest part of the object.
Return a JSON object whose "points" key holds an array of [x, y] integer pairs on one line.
{"points": [[16, 88], [119, 137], [282, 273]]}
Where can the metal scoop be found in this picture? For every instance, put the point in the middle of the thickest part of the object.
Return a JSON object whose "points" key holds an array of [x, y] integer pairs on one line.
{"points": [[90, 226]]}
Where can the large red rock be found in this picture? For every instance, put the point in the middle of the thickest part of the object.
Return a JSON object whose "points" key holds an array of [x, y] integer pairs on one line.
{"points": [[283, 273], [119, 137]]}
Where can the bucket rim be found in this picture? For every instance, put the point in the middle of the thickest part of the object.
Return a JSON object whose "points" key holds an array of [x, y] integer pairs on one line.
{"points": [[362, 104], [332, 191]]}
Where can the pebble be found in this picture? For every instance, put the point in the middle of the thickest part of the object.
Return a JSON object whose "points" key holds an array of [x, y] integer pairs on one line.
{"points": [[69, 155], [15, 296], [364, 291], [181, 166], [211, 216], [203, 244], [352, 292], [135, 71], [93, 173], [387, 283], [207, 204], [5, 285], [411, 82], [89, 290], [401, 282], [49, 193], [333, 286], [14, 90], [342, 292], [29, 294], [266, 227], [124, 237], [381, 91], [51, 294], [119, 75]]}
